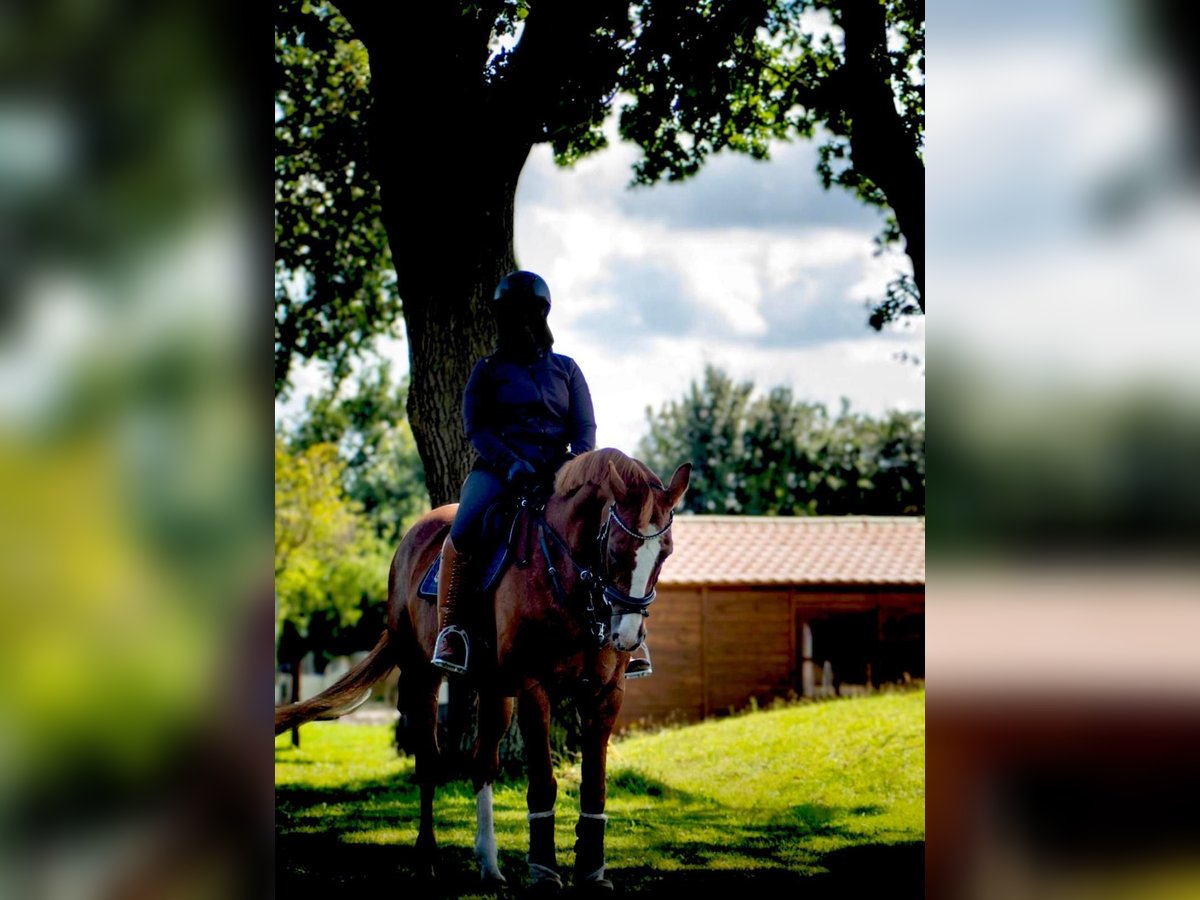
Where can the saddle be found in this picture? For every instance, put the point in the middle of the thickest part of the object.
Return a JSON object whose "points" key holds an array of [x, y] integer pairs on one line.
{"points": [[507, 537]]}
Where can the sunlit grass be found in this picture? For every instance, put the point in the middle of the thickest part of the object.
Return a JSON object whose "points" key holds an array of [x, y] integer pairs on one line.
{"points": [[787, 791]]}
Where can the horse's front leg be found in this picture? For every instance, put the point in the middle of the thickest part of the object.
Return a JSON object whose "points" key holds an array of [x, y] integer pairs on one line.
{"points": [[533, 716], [597, 714], [495, 712]]}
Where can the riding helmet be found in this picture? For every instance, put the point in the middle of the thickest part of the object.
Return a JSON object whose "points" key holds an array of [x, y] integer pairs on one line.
{"points": [[518, 288]]}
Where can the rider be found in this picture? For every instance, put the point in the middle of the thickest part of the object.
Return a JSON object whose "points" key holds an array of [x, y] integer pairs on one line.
{"points": [[523, 407]]}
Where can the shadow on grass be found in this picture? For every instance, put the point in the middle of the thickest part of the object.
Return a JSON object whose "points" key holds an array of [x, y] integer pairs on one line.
{"points": [[672, 841], [630, 783], [685, 843], [895, 871], [315, 864]]}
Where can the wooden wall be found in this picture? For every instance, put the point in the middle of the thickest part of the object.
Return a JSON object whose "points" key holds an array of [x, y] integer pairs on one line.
{"points": [[715, 647]]}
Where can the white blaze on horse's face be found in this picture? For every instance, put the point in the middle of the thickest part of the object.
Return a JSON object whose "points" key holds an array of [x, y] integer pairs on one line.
{"points": [[629, 629], [641, 554], [643, 567]]}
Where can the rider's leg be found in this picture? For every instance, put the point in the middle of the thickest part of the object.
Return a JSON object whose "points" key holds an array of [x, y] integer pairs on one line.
{"points": [[479, 491], [451, 650]]}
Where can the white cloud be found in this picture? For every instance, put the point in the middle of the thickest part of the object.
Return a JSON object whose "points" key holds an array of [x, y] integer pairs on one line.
{"points": [[864, 371]]}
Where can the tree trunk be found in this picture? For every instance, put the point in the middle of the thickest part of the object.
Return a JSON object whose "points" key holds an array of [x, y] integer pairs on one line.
{"points": [[880, 147], [448, 169], [445, 305]]}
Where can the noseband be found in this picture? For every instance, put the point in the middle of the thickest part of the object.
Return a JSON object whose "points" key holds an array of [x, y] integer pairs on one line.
{"points": [[599, 591]]}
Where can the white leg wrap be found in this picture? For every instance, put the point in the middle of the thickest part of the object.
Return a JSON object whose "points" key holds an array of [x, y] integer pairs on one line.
{"points": [[598, 875], [485, 835]]}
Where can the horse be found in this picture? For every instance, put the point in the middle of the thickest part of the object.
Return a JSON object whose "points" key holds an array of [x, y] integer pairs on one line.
{"points": [[564, 622]]}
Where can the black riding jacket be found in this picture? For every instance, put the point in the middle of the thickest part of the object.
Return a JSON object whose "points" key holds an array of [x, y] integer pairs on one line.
{"points": [[528, 410]]}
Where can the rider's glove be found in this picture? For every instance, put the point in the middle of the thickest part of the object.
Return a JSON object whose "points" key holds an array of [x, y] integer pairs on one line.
{"points": [[520, 471]]}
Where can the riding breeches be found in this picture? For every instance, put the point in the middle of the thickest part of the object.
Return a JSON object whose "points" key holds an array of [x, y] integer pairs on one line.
{"points": [[479, 491]]}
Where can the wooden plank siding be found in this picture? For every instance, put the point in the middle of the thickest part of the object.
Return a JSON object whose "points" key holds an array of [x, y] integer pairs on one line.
{"points": [[716, 646], [675, 690], [748, 648]]}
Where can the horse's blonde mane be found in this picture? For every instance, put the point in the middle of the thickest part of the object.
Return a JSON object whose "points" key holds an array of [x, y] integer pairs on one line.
{"points": [[592, 468]]}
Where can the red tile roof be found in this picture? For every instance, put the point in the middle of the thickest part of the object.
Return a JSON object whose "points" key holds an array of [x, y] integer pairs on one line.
{"points": [[796, 550]]}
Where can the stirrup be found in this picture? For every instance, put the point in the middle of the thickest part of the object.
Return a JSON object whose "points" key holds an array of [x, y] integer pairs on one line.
{"points": [[445, 663], [638, 667]]}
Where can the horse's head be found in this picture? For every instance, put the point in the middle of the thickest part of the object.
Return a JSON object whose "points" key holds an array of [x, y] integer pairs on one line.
{"points": [[635, 512]]}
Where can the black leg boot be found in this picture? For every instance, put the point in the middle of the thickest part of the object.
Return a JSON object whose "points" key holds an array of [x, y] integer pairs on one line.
{"points": [[543, 864], [589, 854]]}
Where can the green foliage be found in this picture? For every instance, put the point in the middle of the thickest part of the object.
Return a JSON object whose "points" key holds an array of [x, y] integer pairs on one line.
{"points": [[774, 455], [900, 299], [699, 82], [383, 472], [335, 287], [773, 799], [327, 559], [353, 452]]}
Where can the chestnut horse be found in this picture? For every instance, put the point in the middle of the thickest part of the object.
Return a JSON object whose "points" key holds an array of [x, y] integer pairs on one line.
{"points": [[567, 622]]}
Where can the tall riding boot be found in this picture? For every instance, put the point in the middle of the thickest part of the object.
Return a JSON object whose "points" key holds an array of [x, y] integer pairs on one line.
{"points": [[451, 652]]}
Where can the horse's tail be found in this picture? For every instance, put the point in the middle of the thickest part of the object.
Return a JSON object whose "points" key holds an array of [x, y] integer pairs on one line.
{"points": [[345, 695]]}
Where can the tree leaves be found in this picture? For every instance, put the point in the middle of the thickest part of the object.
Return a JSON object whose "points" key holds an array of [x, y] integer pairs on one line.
{"points": [[335, 288], [773, 455], [326, 558], [382, 469]]}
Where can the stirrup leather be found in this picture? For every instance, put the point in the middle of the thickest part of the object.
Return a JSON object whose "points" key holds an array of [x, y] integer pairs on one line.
{"points": [[638, 667], [445, 663]]}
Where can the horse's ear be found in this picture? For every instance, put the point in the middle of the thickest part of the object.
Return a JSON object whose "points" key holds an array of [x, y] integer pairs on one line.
{"points": [[616, 483], [679, 484]]}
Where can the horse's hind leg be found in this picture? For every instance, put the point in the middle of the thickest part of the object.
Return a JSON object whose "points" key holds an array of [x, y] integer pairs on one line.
{"points": [[419, 707], [495, 713], [533, 715]]}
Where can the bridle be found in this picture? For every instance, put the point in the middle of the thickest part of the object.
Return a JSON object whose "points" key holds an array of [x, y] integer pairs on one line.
{"points": [[600, 593]]}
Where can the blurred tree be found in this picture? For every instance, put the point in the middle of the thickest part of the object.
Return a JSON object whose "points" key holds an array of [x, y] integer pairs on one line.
{"points": [[776, 456], [850, 72], [369, 427], [449, 124]]}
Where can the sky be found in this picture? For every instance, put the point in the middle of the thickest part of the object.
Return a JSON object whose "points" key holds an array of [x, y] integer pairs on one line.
{"points": [[751, 266], [1063, 222]]}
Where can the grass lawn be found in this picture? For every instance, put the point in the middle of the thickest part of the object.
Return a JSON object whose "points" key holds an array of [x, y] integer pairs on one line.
{"points": [[825, 797]]}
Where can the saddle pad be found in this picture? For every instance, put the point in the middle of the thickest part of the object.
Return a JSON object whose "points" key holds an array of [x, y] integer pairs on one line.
{"points": [[428, 588], [491, 574]]}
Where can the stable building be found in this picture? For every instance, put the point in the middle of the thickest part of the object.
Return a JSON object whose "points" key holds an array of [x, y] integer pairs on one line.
{"points": [[753, 607]]}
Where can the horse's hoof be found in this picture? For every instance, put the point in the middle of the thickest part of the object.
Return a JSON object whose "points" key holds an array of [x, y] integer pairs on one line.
{"points": [[547, 888], [493, 880]]}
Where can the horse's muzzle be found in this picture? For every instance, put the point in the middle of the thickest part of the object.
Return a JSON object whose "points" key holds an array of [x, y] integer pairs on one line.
{"points": [[628, 631]]}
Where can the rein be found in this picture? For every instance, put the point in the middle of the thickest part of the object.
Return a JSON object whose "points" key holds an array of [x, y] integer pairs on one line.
{"points": [[599, 591]]}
